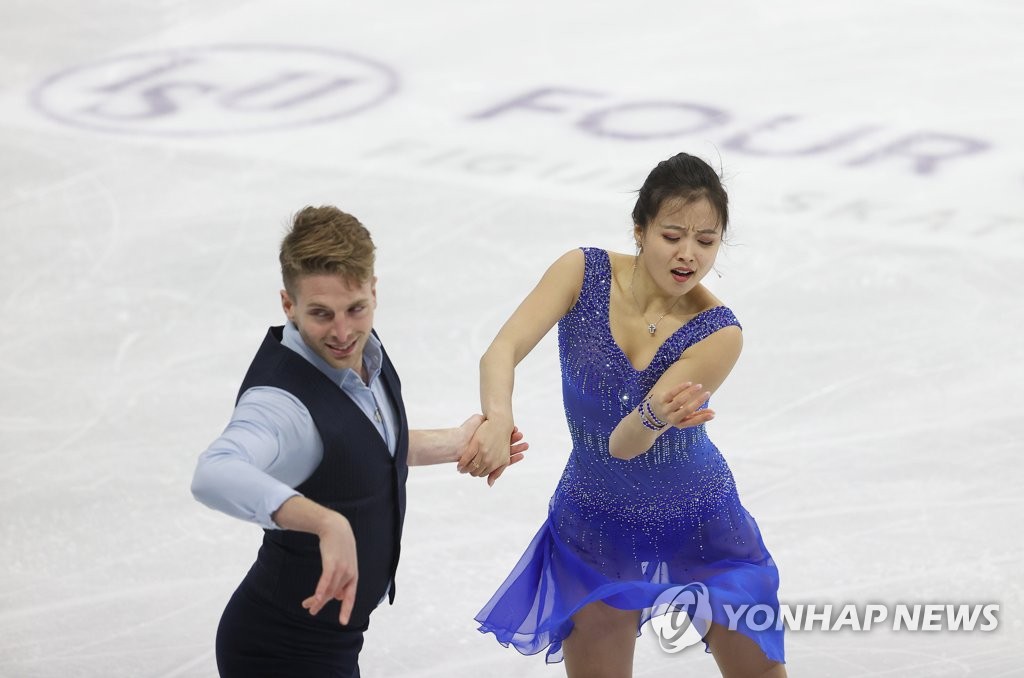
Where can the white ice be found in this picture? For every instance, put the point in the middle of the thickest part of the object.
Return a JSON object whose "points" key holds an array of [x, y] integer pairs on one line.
{"points": [[873, 153]]}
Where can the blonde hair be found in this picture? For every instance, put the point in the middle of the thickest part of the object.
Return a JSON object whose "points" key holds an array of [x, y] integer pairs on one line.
{"points": [[325, 240]]}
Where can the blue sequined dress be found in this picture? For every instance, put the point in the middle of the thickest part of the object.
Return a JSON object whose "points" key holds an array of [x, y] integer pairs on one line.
{"points": [[625, 531]]}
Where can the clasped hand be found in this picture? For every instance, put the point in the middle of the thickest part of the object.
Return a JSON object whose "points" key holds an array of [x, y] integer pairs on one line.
{"points": [[492, 448]]}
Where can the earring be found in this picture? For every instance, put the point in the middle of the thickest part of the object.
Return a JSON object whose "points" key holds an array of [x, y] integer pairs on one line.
{"points": [[717, 272]]}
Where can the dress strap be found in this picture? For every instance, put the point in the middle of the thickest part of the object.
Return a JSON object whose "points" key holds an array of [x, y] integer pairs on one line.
{"points": [[596, 275]]}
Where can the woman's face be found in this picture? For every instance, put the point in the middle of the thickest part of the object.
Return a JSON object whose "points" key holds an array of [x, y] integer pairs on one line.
{"points": [[680, 244]]}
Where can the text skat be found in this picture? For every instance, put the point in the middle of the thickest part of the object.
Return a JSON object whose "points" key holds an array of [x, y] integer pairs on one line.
{"points": [[602, 115]]}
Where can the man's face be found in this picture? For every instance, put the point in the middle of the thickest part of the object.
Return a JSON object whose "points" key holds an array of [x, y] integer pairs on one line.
{"points": [[334, 316]]}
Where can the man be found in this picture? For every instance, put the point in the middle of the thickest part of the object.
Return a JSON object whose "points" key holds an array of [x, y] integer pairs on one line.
{"points": [[317, 452]]}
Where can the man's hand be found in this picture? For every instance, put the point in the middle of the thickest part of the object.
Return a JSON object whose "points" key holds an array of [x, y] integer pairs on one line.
{"points": [[492, 448], [340, 567]]}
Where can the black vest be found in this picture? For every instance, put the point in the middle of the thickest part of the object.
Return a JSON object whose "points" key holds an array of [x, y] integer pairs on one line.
{"points": [[357, 477]]}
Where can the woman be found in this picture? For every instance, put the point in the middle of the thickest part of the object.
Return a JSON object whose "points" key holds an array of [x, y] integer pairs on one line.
{"points": [[646, 502]]}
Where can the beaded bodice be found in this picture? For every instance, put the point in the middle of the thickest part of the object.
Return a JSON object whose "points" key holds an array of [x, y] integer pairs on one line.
{"points": [[600, 386]]}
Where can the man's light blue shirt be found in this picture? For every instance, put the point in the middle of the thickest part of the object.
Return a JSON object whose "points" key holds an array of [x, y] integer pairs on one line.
{"points": [[271, 444]]}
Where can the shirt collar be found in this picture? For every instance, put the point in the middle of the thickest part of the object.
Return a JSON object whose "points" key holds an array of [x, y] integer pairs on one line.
{"points": [[373, 358]]}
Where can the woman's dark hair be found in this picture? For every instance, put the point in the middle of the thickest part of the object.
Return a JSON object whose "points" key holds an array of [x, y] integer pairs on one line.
{"points": [[685, 177]]}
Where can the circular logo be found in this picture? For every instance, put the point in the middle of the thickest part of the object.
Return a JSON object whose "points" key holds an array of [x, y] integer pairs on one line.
{"points": [[215, 90], [681, 616]]}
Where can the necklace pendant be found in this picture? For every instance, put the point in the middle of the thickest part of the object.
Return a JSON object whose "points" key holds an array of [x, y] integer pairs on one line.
{"points": [[651, 328]]}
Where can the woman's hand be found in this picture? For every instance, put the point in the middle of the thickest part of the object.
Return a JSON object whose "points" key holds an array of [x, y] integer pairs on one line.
{"points": [[493, 446], [679, 405]]}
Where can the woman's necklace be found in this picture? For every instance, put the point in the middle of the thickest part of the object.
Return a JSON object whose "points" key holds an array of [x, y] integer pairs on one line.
{"points": [[651, 327]]}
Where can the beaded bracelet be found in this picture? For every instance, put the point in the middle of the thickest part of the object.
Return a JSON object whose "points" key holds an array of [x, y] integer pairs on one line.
{"points": [[654, 423], [650, 413]]}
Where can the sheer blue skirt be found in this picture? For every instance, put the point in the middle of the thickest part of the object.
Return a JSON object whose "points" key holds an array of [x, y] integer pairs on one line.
{"points": [[575, 560]]}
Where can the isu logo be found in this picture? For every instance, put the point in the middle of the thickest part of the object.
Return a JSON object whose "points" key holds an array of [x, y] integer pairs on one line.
{"points": [[215, 90]]}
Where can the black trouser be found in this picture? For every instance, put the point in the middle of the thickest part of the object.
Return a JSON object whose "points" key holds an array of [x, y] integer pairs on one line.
{"points": [[255, 639]]}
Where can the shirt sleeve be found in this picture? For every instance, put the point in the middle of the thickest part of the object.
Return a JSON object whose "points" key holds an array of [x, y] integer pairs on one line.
{"points": [[269, 447]]}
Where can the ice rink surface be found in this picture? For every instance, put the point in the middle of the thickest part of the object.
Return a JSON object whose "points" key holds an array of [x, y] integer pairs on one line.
{"points": [[151, 155]]}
